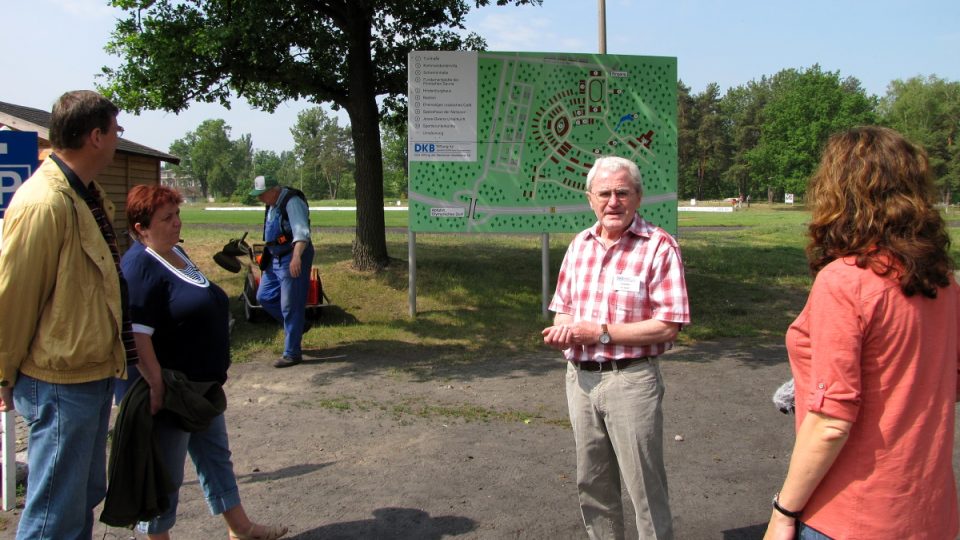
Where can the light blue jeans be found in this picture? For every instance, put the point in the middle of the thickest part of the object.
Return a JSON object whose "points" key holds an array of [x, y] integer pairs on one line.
{"points": [[121, 386], [284, 297], [617, 421], [210, 452], [66, 456]]}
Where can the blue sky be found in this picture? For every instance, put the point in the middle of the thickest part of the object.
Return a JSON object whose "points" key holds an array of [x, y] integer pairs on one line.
{"points": [[49, 46]]}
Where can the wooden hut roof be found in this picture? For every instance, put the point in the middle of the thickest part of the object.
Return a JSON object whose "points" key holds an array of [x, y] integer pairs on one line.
{"points": [[22, 118]]}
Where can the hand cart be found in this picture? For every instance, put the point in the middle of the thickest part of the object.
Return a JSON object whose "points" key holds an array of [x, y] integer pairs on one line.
{"points": [[230, 259]]}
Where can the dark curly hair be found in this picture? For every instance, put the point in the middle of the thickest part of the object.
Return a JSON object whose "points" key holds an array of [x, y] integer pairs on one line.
{"points": [[873, 200]]}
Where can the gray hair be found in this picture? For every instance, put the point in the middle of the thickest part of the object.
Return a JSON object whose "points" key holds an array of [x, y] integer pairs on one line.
{"points": [[613, 164]]}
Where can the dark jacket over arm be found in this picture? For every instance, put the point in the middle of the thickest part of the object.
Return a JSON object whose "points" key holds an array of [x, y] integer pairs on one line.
{"points": [[139, 483]]}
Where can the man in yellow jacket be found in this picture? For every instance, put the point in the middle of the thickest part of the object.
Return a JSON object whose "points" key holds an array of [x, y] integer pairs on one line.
{"points": [[62, 334]]}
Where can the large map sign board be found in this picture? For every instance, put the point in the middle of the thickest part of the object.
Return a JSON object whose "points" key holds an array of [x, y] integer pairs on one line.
{"points": [[503, 141]]}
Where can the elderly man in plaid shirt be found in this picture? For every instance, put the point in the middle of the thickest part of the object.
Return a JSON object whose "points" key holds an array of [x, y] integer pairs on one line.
{"points": [[621, 298]]}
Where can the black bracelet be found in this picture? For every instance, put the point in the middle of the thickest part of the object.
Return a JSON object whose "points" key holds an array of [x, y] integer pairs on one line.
{"points": [[784, 511]]}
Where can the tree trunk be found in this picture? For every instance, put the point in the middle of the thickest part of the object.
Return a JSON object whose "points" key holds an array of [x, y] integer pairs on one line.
{"points": [[335, 186], [370, 243], [700, 174]]}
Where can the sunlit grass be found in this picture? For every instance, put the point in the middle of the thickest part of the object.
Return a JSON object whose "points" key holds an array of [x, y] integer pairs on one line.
{"points": [[252, 217], [413, 407], [478, 296]]}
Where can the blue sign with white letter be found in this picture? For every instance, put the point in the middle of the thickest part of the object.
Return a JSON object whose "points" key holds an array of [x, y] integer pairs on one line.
{"points": [[18, 160]]}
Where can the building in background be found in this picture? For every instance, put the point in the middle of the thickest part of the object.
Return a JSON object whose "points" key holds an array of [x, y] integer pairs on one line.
{"points": [[188, 187], [133, 163]]}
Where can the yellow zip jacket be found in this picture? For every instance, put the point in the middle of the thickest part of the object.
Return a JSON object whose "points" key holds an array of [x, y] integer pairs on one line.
{"points": [[60, 313]]}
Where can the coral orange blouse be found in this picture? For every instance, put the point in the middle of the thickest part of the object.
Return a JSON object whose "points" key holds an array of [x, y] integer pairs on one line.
{"points": [[862, 351]]}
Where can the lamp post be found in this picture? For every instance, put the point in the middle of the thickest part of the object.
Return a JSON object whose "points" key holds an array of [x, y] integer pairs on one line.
{"points": [[602, 30]]}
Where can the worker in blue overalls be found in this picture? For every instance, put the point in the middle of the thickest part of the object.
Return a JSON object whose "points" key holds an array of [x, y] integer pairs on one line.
{"points": [[286, 262]]}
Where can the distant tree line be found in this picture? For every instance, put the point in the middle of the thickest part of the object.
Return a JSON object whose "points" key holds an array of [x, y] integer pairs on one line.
{"points": [[761, 139], [764, 138], [322, 162]]}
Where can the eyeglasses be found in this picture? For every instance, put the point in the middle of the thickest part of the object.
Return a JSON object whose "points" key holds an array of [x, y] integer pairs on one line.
{"points": [[120, 131], [621, 194]]}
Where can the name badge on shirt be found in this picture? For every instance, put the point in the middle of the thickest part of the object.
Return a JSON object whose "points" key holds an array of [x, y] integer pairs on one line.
{"points": [[626, 283]]}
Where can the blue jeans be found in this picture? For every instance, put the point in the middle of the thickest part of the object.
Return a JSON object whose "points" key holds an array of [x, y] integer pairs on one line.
{"points": [[805, 532], [66, 455], [123, 385], [284, 297], [210, 452]]}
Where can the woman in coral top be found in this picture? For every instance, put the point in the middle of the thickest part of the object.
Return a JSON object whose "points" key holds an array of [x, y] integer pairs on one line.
{"points": [[874, 353]]}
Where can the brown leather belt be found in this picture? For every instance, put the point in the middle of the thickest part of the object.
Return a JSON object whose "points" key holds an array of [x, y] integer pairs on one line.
{"points": [[610, 365]]}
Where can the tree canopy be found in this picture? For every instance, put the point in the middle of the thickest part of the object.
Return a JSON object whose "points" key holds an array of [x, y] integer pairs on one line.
{"points": [[766, 134], [346, 52], [325, 150], [209, 156], [804, 109], [927, 111], [396, 179]]}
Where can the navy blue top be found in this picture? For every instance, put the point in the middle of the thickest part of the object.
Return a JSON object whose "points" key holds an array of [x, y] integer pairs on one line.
{"points": [[188, 315]]}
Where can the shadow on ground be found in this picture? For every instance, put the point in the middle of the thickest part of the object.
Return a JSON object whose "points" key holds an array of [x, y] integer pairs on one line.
{"points": [[753, 532], [394, 524]]}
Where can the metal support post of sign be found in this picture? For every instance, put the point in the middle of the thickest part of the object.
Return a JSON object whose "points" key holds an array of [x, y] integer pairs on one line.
{"points": [[9, 461], [412, 271], [9, 441], [545, 278]]}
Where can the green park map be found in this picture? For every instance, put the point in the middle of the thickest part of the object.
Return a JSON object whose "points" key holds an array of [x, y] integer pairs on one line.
{"points": [[501, 142]]}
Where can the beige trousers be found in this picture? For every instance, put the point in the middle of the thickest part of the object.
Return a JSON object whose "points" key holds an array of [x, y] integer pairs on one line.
{"points": [[617, 423]]}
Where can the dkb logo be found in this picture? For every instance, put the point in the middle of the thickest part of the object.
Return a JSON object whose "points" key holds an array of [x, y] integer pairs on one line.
{"points": [[421, 147]]}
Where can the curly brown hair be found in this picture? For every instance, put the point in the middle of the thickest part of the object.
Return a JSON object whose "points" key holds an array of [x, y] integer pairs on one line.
{"points": [[873, 200]]}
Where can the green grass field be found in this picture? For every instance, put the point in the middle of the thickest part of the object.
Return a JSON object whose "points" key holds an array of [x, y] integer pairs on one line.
{"points": [[479, 296], [253, 217]]}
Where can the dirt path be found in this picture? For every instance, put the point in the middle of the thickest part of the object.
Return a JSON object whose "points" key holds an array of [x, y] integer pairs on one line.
{"points": [[350, 446]]}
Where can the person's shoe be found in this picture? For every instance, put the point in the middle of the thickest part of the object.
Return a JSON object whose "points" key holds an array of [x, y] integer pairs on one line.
{"points": [[286, 361], [265, 532]]}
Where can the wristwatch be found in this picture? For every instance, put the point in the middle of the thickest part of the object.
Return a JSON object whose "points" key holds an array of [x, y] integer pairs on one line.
{"points": [[784, 511], [605, 338]]}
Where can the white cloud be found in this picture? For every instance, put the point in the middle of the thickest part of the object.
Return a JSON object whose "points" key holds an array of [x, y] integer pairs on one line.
{"points": [[87, 9], [516, 30]]}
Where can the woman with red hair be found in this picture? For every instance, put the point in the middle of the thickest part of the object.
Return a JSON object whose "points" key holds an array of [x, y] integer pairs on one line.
{"points": [[181, 322], [874, 353]]}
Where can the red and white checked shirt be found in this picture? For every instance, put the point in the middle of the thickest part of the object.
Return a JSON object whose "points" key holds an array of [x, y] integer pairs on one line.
{"points": [[644, 265]]}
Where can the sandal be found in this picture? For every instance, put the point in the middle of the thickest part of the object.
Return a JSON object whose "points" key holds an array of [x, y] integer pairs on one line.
{"points": [[267, 532]]}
